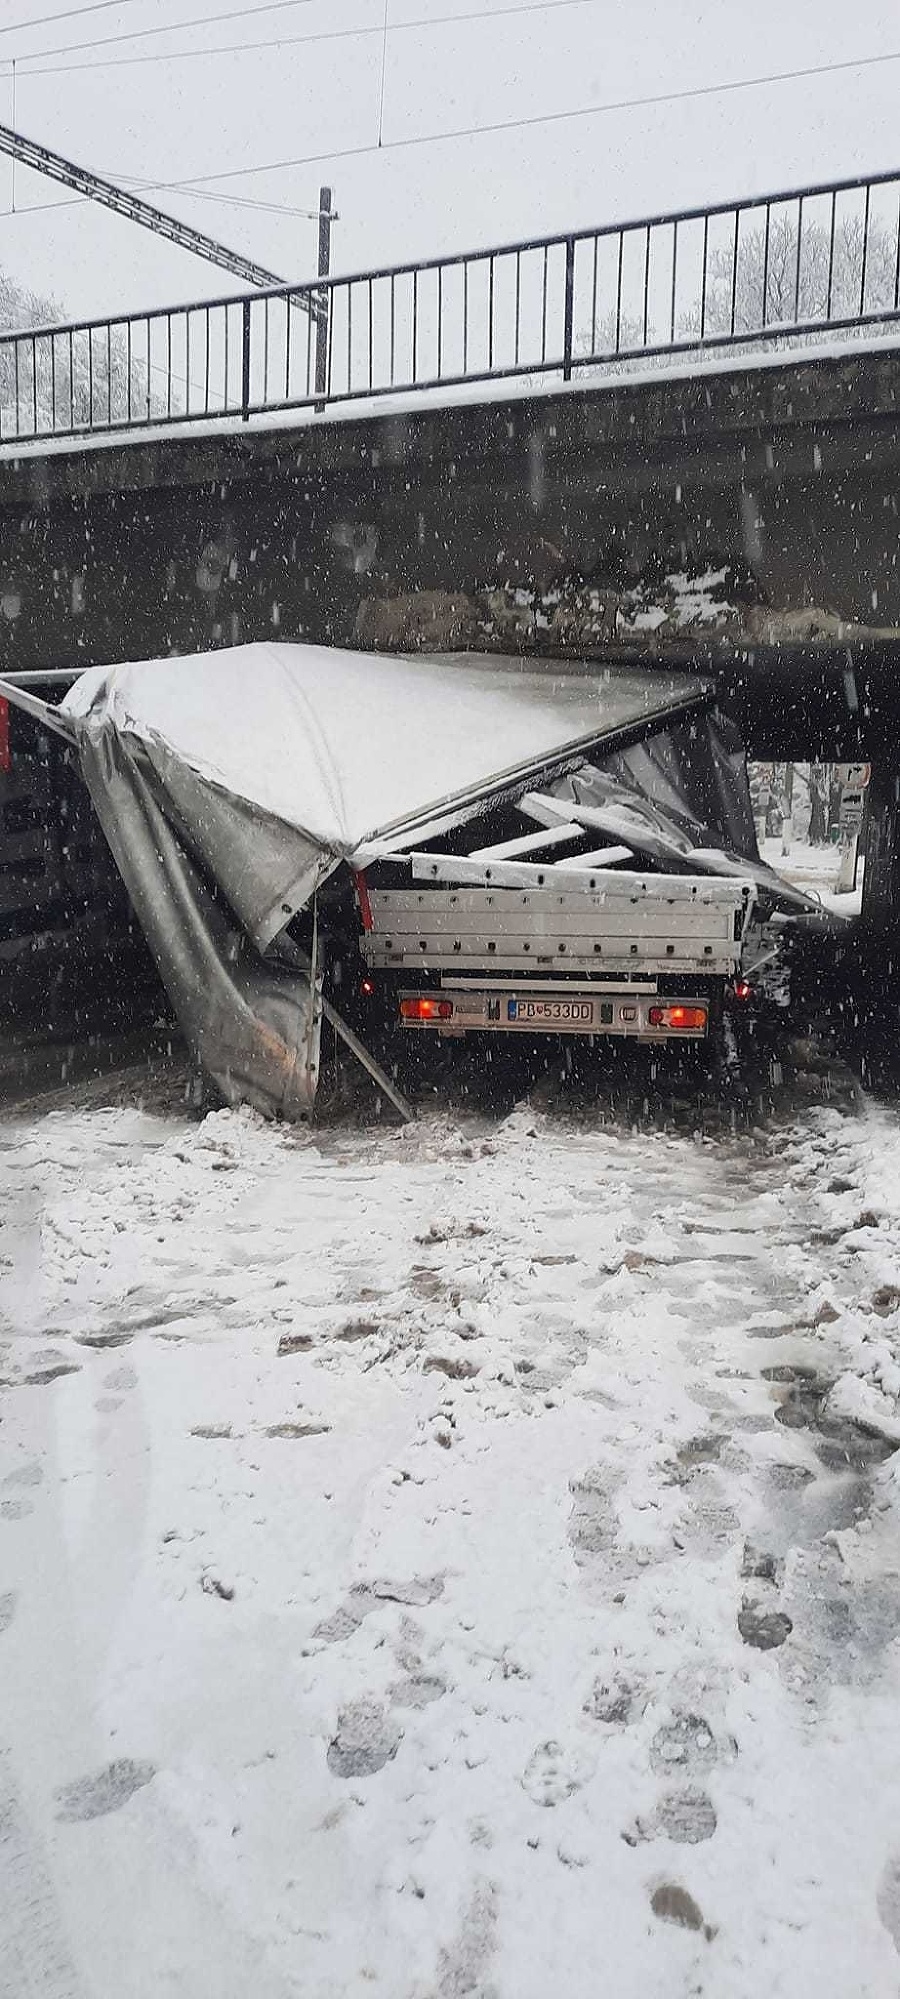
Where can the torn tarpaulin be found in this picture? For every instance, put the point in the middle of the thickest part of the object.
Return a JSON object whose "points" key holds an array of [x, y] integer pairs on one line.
{"points": [[230, 786], [681, 796]]}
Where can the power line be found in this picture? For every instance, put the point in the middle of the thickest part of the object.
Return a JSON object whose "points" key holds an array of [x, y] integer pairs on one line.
{"points": [[67, 14], [199, 182], [175, 187], [245, 201], [170, 28], [693, 91], [296, 41]]}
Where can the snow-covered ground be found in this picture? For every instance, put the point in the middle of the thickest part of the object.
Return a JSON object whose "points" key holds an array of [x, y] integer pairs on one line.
{"points": [[816, 869], [436, 1562]]}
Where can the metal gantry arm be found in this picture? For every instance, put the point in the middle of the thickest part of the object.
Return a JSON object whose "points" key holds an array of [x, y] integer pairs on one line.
{"points": [[56, 167]]}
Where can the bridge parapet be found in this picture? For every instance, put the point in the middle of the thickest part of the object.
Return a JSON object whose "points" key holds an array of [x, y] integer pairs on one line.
{"points": [[771, 272]]}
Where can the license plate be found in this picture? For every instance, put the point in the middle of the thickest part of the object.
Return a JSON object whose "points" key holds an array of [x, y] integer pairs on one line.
{"points": [[552, 1013]]}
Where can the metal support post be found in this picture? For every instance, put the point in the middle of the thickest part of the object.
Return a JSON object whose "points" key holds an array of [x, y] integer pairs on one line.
{"points": [[323, 300], [569, 309], [245, 358]]}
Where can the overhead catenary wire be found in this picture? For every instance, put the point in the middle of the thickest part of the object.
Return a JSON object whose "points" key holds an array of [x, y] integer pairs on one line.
{"points": [[197, 194], [382, 30], [690, 92], [65, 14], [196, 184], [167, 28]]}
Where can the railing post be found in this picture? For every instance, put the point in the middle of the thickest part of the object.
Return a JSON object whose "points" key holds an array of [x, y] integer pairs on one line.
{"points": [[245, 359], [570, 309]]}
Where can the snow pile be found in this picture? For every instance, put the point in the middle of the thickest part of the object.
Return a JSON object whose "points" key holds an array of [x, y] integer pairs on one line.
{"points": [[682, 603]]}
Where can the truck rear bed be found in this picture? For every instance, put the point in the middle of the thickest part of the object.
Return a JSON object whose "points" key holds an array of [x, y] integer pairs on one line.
{"points": [[645, 956], [633, 923]]}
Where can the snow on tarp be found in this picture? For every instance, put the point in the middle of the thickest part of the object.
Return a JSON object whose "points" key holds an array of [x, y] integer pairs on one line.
{"points": [[231, 784], [340, 748]]}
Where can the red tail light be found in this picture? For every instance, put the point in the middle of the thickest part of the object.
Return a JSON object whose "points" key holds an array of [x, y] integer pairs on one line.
{"points": [[678, 1016], [426, 1009], [5, 751], [743, 989], [367, 987]]}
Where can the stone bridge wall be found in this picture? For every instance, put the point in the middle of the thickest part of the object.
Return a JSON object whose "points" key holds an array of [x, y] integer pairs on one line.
{"points": [[751, 512]]}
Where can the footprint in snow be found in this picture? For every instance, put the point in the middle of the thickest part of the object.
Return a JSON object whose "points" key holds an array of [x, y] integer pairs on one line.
{"points": [[121, 1377], [51, 1368], [555, 1772], [686, 1817], [419, 1690], [25, 1475], [616, 1701], [366, 1738], [686, 1744], [673, 1904], [368, 1596], [593, 1522], [106, 1791]]}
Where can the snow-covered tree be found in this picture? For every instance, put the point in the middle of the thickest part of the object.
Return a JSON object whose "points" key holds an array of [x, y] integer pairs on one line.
{"points": [[68, 380], [787, 279]]}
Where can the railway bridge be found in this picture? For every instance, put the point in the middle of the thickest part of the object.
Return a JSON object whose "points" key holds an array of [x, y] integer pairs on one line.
{"points": [[674, 439]]}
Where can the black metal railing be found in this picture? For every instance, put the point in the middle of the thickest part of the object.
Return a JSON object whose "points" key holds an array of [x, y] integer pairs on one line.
{"points": [[774, 270]]}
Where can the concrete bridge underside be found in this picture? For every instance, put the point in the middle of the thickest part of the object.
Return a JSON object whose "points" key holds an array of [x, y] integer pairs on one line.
{"points": [[783, 478]]}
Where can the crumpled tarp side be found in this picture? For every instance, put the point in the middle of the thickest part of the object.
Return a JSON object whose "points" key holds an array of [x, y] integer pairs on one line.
{"points": [[695, 773], [254, 1027], [265, 868], [681, 796]]}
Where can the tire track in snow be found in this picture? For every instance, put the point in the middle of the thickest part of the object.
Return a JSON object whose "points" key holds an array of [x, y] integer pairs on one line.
{"points": [[34, 1957]]}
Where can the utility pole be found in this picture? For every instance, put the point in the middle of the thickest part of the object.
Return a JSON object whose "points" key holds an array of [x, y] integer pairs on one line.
{"points": [[323, 306]]}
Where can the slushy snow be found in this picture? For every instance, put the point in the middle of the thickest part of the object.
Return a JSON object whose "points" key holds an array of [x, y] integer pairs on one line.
{"points": [[453, 1560]]}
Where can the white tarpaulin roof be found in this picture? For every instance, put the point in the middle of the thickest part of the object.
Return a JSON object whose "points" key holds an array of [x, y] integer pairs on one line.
{"points": [[345, 746], [231, 784]]}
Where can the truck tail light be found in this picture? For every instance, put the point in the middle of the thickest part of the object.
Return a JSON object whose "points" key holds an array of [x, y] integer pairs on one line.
{"points": [[743, 989], [5, 751], [678, 1016], [426, 1009]]}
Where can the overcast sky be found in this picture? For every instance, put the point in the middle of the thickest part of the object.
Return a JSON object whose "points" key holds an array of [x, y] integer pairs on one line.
{"points": [[223, 113]]}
